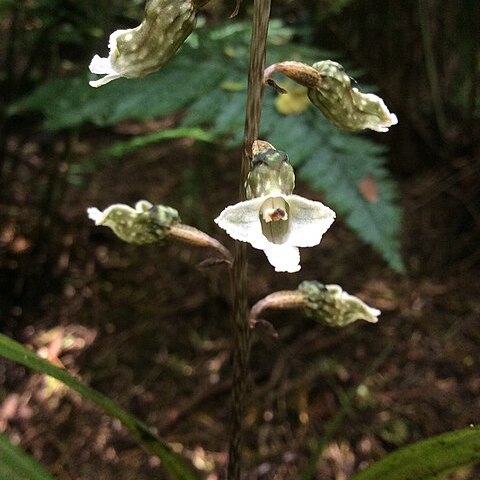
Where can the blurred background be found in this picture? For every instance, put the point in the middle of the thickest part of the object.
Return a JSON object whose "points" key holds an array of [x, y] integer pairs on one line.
{"points": [[147, 327]]}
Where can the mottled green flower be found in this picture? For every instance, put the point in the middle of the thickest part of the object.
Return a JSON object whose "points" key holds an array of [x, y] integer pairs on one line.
{"points": [[330, 304], [145, 223], [137, 52], [330, 90]]}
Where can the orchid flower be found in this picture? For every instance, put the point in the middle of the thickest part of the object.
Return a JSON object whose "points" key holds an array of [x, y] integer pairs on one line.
{"points": [[145, 223], [272, 219], [330, 90], [137, 52], [148, 223], [330, 304]]}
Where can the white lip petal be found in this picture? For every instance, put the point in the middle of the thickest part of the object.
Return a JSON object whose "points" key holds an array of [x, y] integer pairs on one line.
{"points": [[104, 66], [95, 214], [104, 80], [100, 218], [374, 312], [309, 220], [284, 258], [100, 65], [241, 221]]}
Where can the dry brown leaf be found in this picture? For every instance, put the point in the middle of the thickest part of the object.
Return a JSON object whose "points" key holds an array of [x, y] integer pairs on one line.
{"points": [[368, 189]]}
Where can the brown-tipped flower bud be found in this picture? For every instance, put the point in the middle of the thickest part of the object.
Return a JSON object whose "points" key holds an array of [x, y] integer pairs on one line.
{"points": [[137, 52], [330, 90], [331, 305], [270, 172]]}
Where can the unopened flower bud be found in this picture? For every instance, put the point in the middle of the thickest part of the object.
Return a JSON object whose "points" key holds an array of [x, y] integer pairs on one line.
{"points": [[145, 223], [270, 172], [137, 52], [330, 90], [331, 305]]}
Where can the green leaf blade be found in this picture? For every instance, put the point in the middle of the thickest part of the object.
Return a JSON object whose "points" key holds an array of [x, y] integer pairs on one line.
{"points": [[15, 464], [173, 463], [428, 459]]}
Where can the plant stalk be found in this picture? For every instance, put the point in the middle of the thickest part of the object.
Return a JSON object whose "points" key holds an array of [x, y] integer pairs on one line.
{"points": [[241, 353]]}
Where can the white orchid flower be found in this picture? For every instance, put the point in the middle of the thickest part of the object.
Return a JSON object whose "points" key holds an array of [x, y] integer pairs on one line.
{"points": [[278, 224]]}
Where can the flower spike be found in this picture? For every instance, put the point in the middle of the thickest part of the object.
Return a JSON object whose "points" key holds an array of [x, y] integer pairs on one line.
{"points": [[330, 90]]}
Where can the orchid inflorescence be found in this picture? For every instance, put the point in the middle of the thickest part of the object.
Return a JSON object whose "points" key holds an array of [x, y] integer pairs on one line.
{"points": [[271, 218]]}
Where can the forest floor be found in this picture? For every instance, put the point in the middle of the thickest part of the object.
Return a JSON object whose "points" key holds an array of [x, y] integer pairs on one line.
{"points": [[148, 328]]}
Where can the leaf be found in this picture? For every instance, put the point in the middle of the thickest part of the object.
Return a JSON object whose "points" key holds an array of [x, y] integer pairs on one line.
{"points": [[172, 462], [428, 459], [15, 464]]}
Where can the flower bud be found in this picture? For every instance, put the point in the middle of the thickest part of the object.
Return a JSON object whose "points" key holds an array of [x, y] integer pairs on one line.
{"points": [[270, 172], [145, 223], [137, 52], [331, 305]]}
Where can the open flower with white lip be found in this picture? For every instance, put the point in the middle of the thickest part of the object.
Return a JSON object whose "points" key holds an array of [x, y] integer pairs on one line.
{"points": [[278, 224], [272, 219]]}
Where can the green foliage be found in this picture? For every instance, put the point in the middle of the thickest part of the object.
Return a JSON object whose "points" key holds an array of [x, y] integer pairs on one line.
{"points": [[428, 459], [172, 463], [15, 464], [206, 80]]}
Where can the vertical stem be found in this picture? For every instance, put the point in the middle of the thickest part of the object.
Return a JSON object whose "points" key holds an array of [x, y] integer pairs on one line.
{"points": [[241, 354]]}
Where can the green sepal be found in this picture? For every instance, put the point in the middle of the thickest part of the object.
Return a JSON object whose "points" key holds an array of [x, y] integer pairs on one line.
{"points": [[270, 173]]}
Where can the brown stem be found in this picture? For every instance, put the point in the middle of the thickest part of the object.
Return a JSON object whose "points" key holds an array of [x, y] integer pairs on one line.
{"points": [[241, 353]]}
